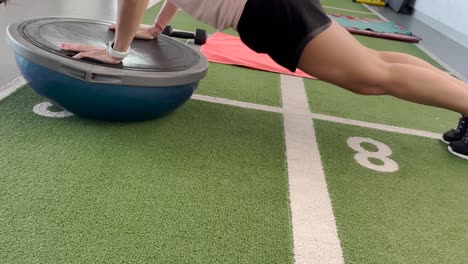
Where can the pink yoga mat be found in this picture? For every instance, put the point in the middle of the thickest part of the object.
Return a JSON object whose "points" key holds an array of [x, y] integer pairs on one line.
{"points": [[227, 49]]}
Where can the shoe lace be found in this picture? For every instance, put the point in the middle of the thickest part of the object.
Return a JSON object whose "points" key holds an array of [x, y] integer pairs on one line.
{"points": [[462, 124]]}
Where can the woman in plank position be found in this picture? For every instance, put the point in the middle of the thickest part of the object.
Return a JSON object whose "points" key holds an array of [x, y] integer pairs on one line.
{"points": [[298, 34]]}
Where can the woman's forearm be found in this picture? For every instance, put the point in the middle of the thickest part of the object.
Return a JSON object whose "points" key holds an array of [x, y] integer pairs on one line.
{"points": [[130, 13], [165, 15]]}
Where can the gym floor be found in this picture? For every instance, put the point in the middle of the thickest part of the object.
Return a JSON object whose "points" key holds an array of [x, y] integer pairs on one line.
{"points": [[257, 168]]}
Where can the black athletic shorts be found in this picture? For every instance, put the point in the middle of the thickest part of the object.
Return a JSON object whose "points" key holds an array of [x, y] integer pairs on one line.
{"points": [[282, 28]]}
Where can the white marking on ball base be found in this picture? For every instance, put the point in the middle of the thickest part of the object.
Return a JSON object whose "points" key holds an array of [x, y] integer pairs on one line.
{"points": [[42, 109], [383, 153]]}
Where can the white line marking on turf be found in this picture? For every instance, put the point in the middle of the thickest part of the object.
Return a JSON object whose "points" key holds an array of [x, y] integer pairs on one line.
{"points": [[314, 229], [42, 109], [333, 119], [348, 10], [229, 102], [375, 12], [400, 130], [11, 87], [425, 50], [17, 83], [363, 156]]}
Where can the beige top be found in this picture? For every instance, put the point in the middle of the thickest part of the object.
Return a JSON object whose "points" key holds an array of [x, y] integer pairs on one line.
{"points": [[221, 14]]}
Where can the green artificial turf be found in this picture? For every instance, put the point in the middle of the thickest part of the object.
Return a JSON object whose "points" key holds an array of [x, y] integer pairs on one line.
{"points": [[241, 84], [206, 184], [418, 214]]}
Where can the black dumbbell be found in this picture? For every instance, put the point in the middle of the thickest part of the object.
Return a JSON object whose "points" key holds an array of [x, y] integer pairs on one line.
{"points": [[200, 36]]}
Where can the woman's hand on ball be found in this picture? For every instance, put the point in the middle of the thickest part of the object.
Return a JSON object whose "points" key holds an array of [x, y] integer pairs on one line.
{"points": [[91, 52], [144, 32]]}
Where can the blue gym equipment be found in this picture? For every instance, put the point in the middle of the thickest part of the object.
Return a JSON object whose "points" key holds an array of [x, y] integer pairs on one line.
{"points": [[156, 78]]}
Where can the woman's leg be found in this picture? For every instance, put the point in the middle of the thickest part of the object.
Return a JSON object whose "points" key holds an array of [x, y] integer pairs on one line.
{"points": [[397, 57], [336, 57]]}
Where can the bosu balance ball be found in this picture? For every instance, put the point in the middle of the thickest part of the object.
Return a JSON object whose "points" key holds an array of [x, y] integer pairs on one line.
{"points": [[156, 78]]}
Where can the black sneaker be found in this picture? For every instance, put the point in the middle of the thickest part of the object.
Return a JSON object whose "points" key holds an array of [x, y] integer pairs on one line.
{"points": [[460, 148], [458, 133]]}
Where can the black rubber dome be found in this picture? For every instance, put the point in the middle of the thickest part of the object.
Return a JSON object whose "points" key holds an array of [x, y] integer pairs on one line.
{"points": [[148, 55], [161, 62]]}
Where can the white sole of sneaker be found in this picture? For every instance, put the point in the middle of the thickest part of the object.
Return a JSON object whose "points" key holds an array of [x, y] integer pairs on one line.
{"points": [[444, 141], [457, 154]]}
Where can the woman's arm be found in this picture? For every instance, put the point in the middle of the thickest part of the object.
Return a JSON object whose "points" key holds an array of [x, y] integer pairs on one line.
{"points": [[165, 15], [130, 13]]}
